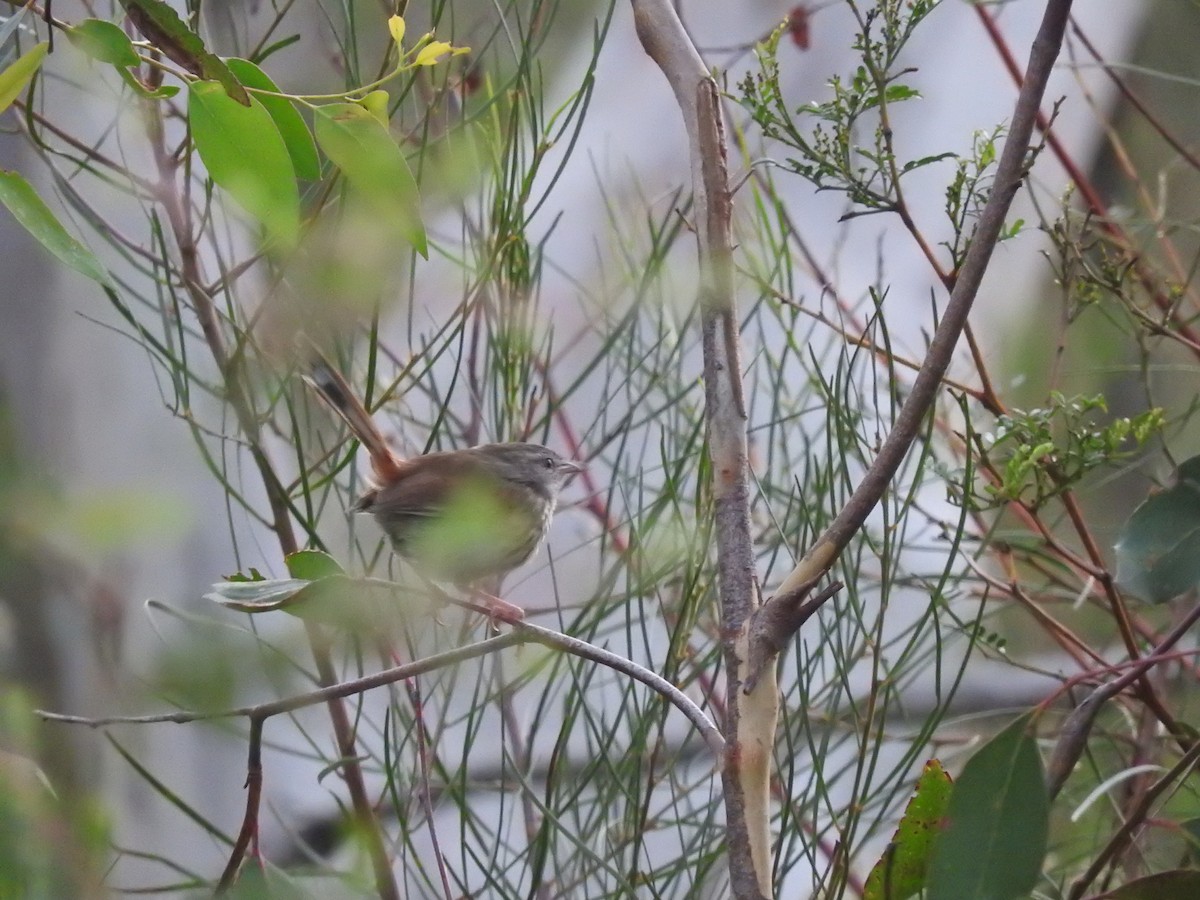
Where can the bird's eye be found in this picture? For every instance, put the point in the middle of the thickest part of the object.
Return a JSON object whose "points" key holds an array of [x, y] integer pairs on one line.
{"points": [[548, 462]]}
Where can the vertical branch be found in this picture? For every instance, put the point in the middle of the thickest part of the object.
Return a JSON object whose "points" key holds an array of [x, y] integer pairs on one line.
{"points": [[751, 719]]}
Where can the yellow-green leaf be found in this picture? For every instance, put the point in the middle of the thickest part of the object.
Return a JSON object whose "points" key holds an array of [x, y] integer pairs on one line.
{"points": [[312, 565], [364, 150], [16, 77], [103, 41], [245, 154], [292, 128], [35, 216], [431, 53], [376, 103]]}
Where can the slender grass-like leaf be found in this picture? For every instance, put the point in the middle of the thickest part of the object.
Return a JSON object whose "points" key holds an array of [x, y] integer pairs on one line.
{"points": [[19, 197]]}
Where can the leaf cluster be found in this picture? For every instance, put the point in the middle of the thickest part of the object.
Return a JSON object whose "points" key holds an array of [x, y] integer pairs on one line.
{"points": [[1041, 452]]}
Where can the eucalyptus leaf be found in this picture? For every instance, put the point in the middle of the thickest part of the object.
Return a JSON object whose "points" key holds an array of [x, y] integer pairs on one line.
{"points": [[361, 605], [11, 24], [256, 596], [162, 92], [1178, 884], [161, 25], [104, 41], [292, 128], [365, 151], [1158, 547], [16, 77], [35, 216], [312, 565], [245, 154], [994, 834]]}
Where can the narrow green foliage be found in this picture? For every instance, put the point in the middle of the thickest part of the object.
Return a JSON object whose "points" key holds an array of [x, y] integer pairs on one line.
{"points": [[1039, 453], [968, 191], [19, 197], [836, 154], [15, 78]]}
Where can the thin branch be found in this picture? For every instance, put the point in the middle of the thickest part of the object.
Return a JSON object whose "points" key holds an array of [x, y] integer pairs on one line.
{"points": [[179, 215], [1073, 733], [522, 633]]}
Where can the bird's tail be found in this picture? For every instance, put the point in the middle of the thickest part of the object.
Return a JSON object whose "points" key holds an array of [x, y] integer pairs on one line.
{"points": [[340, 397]]}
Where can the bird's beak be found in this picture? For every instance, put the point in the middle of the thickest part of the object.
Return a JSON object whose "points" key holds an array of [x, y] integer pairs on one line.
{"points": [[569, 468]]}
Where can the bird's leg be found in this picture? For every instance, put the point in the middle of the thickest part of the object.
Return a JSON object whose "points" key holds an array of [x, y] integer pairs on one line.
{"points": [[498, 610]]}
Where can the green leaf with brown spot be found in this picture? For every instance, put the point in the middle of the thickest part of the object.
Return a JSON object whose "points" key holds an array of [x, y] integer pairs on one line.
{"points": [[900, 872], [160, 25]]}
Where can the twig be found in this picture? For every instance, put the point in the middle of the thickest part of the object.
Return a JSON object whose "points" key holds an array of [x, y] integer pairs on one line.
{"points": [[1162, 297], [1135, 820], [1074, 731]]}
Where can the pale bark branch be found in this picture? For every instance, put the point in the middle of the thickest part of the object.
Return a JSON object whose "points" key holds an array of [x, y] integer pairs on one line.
{"points": [[750, 722]]}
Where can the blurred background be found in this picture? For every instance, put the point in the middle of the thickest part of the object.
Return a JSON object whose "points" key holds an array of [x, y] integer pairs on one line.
{"points": [[116, 514]]}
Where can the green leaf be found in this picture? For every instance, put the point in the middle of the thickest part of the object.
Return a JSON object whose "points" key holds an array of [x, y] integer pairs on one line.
{"points": [[994, 835], [35, 216], [895, 93], [1158, 548], [1179, 884], [246, 577], [161, 25], [1191, 830], [312, 565], [900, 872], [245, 154], [363, 605], [360, 145], [264, 595], [104, 41], [16, 77], [296, 136]]}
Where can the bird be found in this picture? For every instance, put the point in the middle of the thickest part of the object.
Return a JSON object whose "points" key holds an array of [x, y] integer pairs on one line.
{"points": [[461, 516]]}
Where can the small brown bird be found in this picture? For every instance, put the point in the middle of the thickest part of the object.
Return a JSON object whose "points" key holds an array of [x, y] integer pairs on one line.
{"points": [[460, 516]]}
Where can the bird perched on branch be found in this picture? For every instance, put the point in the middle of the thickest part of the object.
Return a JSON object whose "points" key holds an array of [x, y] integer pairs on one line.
{"points": [[461, 516]]}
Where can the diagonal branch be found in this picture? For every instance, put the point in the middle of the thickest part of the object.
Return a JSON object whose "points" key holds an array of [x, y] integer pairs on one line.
{"points": [[1010, 172]]}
